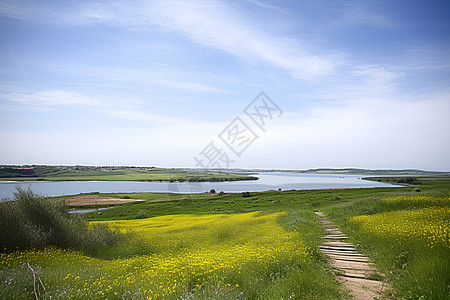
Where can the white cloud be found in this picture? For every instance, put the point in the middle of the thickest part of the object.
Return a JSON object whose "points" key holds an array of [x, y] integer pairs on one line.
{"points": [[375, 74], [216, 25], [374, 80], [269, 5], [149, 75], [50, 98], [374, 133], [170, 144], [210, 23], [140, 116]]}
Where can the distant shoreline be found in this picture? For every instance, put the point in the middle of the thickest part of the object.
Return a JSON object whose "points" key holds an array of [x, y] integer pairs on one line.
{"points": [[140, 181]]}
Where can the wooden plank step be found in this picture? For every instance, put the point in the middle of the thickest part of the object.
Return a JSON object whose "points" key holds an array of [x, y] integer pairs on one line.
{"points": [[334, 239], [334, 227], [346, 256], [343, 250], [338, 248], [340, 235], [337, 235], [349, 258], [361, 269], [354, 274], [333, 230], [334, 233], [352, 265], [349, 253], [326, 222], [337, 244]]}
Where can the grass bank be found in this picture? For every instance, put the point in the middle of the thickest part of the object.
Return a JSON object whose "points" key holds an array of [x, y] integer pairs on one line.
{"points": [[83, 173]]}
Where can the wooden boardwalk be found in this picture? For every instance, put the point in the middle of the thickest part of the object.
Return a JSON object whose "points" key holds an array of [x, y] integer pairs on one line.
{"points": [[353, 268]]}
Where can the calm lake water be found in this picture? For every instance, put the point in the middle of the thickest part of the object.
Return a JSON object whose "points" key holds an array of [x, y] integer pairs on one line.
{"points": [[267, 181]]}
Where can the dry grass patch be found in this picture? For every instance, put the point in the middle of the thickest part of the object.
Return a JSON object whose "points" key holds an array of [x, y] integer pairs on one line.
{"points": [[83, 200]]}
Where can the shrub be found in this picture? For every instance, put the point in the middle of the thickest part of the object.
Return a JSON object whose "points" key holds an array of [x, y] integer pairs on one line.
{"points": [[33, 221], [141, 214], [246, 194], [212, 191], [335, 198], [408, 180]]}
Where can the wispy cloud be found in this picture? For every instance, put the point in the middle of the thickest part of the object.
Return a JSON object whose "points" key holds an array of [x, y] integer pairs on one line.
{"points": [[269, 5], [217, 25], [375, 77], [161, 76], [363, 12], [420, 58], [50, 98], [147, 75], [211, 23], [142, 116]]}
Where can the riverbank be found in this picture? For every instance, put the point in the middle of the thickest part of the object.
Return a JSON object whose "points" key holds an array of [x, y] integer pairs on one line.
{"points": [[267, 181], [89, 173]]}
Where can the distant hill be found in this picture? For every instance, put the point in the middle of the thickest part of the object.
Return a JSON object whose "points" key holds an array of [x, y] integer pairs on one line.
{"points": [[112, 173], [348, 171], [374, 172]]}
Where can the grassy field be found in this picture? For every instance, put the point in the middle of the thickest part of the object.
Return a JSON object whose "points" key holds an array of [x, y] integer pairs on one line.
{"points": [[406, 234], [248, 246], [48, 173], [221, 256]]}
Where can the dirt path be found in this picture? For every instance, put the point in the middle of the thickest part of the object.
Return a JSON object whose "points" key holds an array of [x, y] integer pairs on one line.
{"points": [[96, 200], [353, 268]]}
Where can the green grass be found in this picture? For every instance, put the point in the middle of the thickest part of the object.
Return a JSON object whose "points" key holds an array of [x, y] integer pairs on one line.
{"points": [[232, 256], [159, 204], [32, 221], [131, 174], [414, 270]]}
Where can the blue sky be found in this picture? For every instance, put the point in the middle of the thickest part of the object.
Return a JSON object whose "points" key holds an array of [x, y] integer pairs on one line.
{"points": [[360, 83]]}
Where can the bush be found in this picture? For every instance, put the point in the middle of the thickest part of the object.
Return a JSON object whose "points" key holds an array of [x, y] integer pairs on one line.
{"points": [[335, 198], [408, 180], [212, 191], [141, 214], [33, 221]]}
